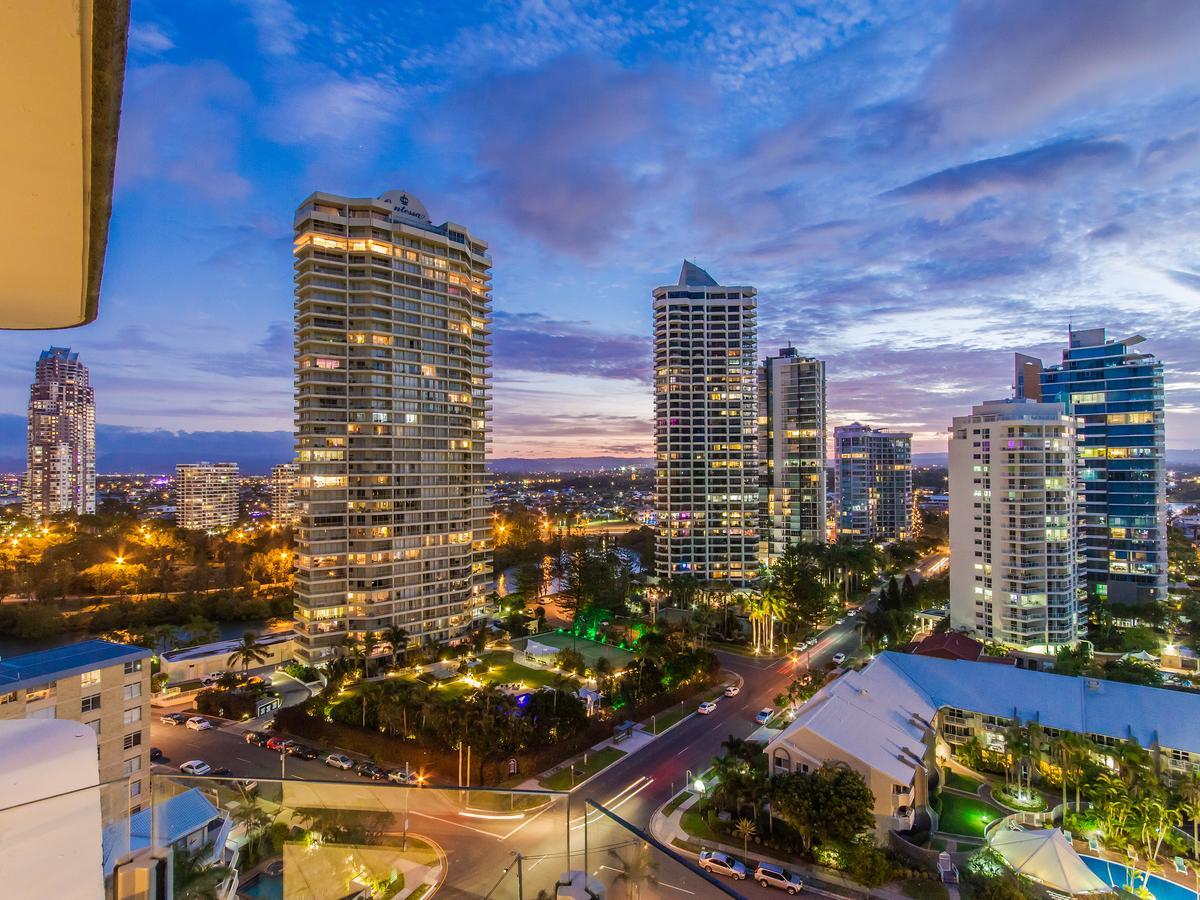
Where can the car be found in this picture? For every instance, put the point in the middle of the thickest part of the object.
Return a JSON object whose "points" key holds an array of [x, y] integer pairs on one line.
{"points": [[278, 743], [339, 761], [222, 772], [839, 658], [717, 863], [732, 690], [155, 754], [257, 738], [399, 776], [370, 770], [303, 751], [173, 719], [195, 767], [199, 723], [764, 715], [706, 707], [840, 621], [852, 613], [768, 875], [211, 679]]}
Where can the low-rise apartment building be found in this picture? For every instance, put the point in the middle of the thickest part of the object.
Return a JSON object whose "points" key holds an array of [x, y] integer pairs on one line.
{"points": [[103, 685], [892, 720]]}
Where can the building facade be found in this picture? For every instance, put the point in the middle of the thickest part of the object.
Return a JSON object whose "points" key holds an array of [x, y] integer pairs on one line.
{"points": [[873, 484], [706, 423], [284, 510], [1014, 577], [61, 471], [791, 445], [1115, 393], [393, 317], [101, 684], [207, 496]]}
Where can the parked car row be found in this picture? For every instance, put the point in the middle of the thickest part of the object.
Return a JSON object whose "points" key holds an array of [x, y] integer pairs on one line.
{"points": [[766, 874], [341, 761], [195, 723]]}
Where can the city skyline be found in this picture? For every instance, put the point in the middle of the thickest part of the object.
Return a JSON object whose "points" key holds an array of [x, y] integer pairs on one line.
{"points": [[893, 230]]}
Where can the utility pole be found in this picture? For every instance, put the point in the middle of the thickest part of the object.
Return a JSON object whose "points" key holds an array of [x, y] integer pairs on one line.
{"points": [[520, 879]]}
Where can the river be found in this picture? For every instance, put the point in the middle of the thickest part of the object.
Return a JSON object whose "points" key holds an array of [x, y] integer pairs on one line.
{"points": [[10, 646]]}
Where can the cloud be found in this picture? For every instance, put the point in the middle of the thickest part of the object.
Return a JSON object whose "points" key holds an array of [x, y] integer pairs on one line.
{"points": [[1040, 167], [1189, 280], [181, 125], [533, 342], [149, 38], [279, 28], [1008, 66], [567, 151], [320, 106]]}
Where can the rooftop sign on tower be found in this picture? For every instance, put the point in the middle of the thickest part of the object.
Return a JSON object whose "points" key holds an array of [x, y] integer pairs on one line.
{"points": [[405, 207]]}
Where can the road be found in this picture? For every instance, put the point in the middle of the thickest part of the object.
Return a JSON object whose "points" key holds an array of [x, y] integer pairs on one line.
{"points": [[481, 844]]}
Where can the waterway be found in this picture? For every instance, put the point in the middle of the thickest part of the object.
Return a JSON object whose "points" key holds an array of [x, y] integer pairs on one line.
{"points": [[14, 646]]}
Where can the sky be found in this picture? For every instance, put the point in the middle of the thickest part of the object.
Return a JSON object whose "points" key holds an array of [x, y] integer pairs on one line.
{"points": [[916, 189]]}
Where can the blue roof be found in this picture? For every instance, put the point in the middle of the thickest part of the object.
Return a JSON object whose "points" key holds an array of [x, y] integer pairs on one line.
{"points": [[174, 819], [1072, 703], [73, 659]]}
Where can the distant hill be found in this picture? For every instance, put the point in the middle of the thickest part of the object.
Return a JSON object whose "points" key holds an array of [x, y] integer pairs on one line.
{"points": [[520, 466]]}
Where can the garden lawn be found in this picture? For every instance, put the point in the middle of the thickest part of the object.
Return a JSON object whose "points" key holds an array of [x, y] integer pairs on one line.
{"points": [[923, 889], [502, 670], [961, 782], [697, 826], [670, 716], [965, 815], [561, 780]]}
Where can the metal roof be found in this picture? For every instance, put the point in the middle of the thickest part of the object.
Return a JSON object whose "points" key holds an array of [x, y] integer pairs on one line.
{"points": [[60, 662]]}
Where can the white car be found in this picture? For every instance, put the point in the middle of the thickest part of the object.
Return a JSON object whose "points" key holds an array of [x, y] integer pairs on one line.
{"points": [[839, 658], [764, 715], [769, 875], [718, 863], [840, 621], [212, 678], [732, 690], [195, 767], [853, 612], [707, 707], [199, 723], [339, 761]]}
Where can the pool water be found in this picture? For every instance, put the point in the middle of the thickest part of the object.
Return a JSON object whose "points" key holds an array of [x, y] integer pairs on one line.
{"points": [[263, 887], [1118, 876]]}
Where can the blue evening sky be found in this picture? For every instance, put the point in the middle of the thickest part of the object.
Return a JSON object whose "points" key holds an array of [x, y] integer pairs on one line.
{"points": [[917, 189]]}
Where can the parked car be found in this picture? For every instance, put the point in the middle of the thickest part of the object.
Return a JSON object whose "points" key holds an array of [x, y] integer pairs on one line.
{"points": [[303, 751], [211, 679], [398, 776], [732, 690], [195, 767], [839, 658], [706, 707], [840, 621], [370, 770], [155, 754], [278, 743], [768, 875], [717, 863], [199, 723], [173, 719], [257, 738], [764, 715], [222, 772], [339, 761]]}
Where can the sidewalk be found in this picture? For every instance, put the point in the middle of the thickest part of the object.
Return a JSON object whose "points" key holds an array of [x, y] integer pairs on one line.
{"points": [[817, 879]]}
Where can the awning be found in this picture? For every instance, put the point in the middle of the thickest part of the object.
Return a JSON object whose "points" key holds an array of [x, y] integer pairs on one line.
{"points": [[1046, 856]]}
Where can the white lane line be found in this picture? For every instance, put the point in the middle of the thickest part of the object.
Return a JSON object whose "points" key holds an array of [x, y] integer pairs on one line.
{"points": [[656, 884], [617, 795], [456, 824], [597, 814], [527, 821]]}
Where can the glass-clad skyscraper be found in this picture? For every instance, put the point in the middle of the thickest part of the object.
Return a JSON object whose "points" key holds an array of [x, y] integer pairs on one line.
{"points": [[872, 471], [1115, 393]]}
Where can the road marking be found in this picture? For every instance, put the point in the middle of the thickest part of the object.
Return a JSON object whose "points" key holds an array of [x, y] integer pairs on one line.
{"points": [[527, 821], [684, 750], [456, 824], [656, 884], [617, 795], [613, 807]]}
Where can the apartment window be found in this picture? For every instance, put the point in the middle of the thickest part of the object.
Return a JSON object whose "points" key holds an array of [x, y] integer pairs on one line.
{"points": [[8, 697], [133, 740], [42, 693], [49, 712], [135, 789], [131, 667], [90, 704], [90, 679], [783, 762], [133, 691], [131, 765], [132, 715], [95, 726]]}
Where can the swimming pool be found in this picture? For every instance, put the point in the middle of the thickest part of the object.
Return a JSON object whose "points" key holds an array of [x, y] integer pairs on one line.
{"points": [[263, 887], [1118, 876]]}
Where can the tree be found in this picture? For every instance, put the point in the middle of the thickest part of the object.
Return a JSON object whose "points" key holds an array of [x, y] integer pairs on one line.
{"points": [[194, 877], [832, 803], [250, 651], [397, 639], [745, 830], [1189, 796]]}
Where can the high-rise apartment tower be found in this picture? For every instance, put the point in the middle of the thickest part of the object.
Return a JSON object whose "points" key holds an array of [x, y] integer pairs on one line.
{"points": [[284, 510], [392, 405], [791, 444], [1115, 393], [1014, 576], [207, 496], [873, 483], [61, 473], [706, 476]]}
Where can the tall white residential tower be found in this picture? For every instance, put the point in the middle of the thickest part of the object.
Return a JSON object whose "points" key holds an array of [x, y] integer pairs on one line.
{"points": [[873, 475], [284, 510], [207, 496], [706, 476], [392, 377], [1014, 577], [791, 444], [61, 473]]}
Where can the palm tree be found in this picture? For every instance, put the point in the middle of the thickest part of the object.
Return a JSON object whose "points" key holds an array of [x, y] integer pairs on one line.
{"points": [[369, 643], [1074, 749], [249, 651], [637, 868], [745, 830], [194, 878], [396, 638], [1189, 795]]}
